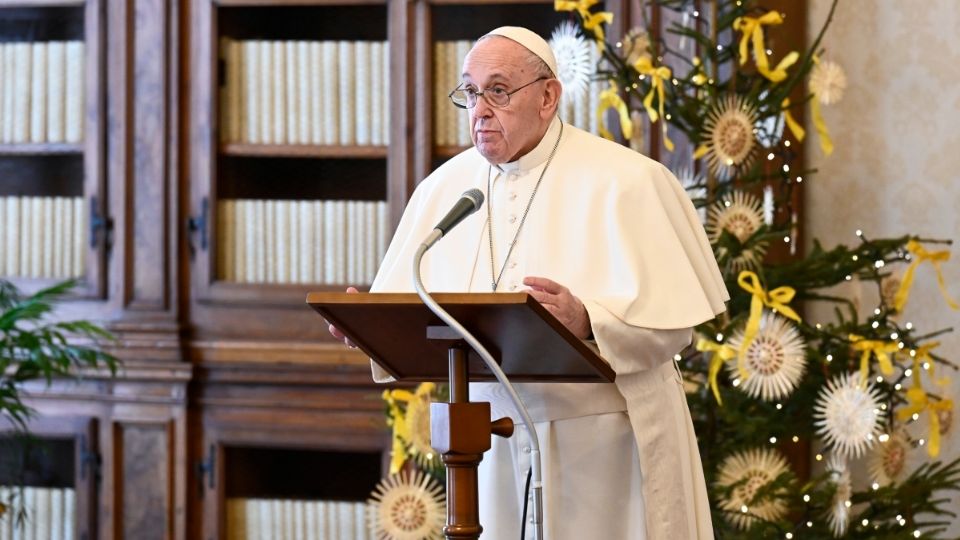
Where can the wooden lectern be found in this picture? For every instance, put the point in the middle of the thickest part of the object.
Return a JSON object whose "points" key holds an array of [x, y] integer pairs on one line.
{"points": [[404, 337]]}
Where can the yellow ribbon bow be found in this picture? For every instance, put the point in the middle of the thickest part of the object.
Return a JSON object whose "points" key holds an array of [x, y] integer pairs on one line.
{"points": [[798, 132], [826, 143], [881, 349], [591, 21], [611, 98], [657, 75], [752, 28], [919, 402], [398, 420], [923, 353], [920, 254], [721, 353], [777, 299]]}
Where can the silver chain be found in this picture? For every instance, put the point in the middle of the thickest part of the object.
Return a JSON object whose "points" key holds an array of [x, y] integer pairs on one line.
{"points": [[495, 278]]}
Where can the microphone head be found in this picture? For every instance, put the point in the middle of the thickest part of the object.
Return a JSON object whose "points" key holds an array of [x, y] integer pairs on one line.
{"points": [[475, 196]]}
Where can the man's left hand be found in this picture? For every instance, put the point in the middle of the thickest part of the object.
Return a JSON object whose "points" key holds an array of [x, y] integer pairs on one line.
{"points": [[559, 301]]}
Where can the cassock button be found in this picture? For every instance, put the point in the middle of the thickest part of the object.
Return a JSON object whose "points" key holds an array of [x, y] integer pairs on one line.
{"points": [[513, 286], [513, 219], [513, 264], [513, 196], [526, 449]]}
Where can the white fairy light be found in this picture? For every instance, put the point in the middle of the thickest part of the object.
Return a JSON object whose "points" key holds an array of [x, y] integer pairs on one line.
{"points": [[894, 335]]}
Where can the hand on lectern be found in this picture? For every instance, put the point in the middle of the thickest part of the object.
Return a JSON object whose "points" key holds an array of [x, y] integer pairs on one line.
{"points": [[567, 308], [335, 332]]}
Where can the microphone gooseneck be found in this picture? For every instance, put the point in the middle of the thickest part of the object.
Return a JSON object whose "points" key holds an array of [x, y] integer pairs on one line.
{"points": [[468, 204]]}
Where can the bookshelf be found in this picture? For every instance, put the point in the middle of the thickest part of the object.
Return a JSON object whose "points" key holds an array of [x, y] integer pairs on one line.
{"points": [[51, 145]]}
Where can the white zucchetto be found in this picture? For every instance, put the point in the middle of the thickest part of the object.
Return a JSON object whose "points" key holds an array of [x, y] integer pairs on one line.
{"points": [[531, 41]]}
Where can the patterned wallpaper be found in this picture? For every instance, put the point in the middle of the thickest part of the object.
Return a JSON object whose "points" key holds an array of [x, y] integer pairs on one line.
{"points": [[896, 167]]}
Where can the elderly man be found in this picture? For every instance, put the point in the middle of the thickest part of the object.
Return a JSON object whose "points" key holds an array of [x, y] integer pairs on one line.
{"points": [[608, 242]]}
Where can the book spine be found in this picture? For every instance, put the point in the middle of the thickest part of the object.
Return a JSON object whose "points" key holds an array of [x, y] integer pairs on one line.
{"points": [[254, 101], [330, 89], [74, 89], [56, 98], [361, 63], [347, 82], [292, 105], [38, 93]]}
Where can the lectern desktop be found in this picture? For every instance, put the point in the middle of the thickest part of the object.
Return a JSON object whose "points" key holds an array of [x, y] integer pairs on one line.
{"points": [[399, 333]]}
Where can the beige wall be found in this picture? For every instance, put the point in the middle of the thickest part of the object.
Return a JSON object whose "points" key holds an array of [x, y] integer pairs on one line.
{"points": [[896, 167]]}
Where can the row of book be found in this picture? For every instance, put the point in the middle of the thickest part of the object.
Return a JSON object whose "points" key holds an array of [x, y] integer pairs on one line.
{"points": [[50, 513], [285, 519], [305, 92], [41, 92], [42, 237], [318, 242], [452, 124]]}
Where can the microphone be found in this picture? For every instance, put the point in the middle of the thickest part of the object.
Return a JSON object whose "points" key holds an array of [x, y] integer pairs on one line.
{"points": [[469, 202]]}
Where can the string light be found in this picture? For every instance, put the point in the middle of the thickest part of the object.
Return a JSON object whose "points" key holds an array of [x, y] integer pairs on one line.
{"points": [[876, 324], [922, 442], [786, 143], [878, 264], [773, 440], [875, 487], [879, 379], [719, 337], [736, 383], [855, 257], [859, 233], [829, 358], [770, 156], [865, 521], [884, 437], [796, 439], [876, 311], [909, 325], [819, 457], [789, 535], [786, 168], [806, 498], [677, 357], [897, 387], [809, 524], [779, 406], [894, 335]]}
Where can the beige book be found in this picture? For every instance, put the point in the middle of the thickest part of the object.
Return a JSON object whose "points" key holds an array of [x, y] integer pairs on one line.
{"points": [[360, 518], [331, 517], [383, 231], [251, 514], [317, 245], [250, 229], [79, 237], [267, 519], [282, 241], [41, 518], [330, 86], [370, 241], [440, 92], [253, 115], [453, 80], [286, 507], [74, 92], [37, 234], [58, 243], [69, 513], [340, 238], [347, 520], [46, 209], [38, 92], [376, 88], [315, 91], [67, 236], [259, 241], [226, 248], [56, 96], [350, 231], [361, 74], [26, 236], [57, 518], [299, 520], [348, 116], [293, 241], [463, 117], [268, 71], [312, 520], [385, 92], [292, 84], [236, 519], [270, 241], [7, 64], [305, 104], [240, 241], [279, 93], [302, 219], [21, 96], [276, 511], [235, 83]]}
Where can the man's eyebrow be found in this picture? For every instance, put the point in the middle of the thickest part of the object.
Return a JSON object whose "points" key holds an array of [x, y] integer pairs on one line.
{"points": [[496, 77]]}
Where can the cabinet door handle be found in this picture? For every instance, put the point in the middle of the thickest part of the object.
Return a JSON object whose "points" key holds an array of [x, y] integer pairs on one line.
{"points": [[199, 224], [98, 223]]}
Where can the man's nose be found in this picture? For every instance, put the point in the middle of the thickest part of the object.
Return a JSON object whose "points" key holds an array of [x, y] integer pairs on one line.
{"points": [[482, 109]]}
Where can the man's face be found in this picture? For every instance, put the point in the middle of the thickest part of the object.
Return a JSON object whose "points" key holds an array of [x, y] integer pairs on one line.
{"points": [[503, 135]]}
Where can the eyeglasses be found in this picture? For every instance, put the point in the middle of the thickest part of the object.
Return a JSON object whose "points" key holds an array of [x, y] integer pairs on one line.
{"points": [[466, 98]]}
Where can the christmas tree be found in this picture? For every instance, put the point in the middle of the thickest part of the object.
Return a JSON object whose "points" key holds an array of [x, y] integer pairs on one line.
{"points": [[770, 390]]}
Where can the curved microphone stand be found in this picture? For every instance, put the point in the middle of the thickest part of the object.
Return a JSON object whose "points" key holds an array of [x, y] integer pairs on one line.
{"points": [[535, 476]]}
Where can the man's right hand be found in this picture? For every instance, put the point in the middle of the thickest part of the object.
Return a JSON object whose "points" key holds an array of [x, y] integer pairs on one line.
{"points": [[335, 332]]}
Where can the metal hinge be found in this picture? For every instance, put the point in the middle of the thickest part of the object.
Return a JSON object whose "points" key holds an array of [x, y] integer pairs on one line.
{"points": [[205, 468], [199, 224], [89, 460], [99, 223]]}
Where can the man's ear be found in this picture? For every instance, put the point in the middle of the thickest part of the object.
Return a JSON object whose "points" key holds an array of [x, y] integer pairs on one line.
{"points": [[551, 98]]}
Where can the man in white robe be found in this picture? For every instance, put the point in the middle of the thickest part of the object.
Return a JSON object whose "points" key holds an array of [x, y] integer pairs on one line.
{"points": [[607, 240]]}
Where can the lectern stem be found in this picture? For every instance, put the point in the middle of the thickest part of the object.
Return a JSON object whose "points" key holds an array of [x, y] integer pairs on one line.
{"points": [[457, 363]]}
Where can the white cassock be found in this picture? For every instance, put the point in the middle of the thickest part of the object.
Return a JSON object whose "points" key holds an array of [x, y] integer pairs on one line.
{"points": [[620, 461]]}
